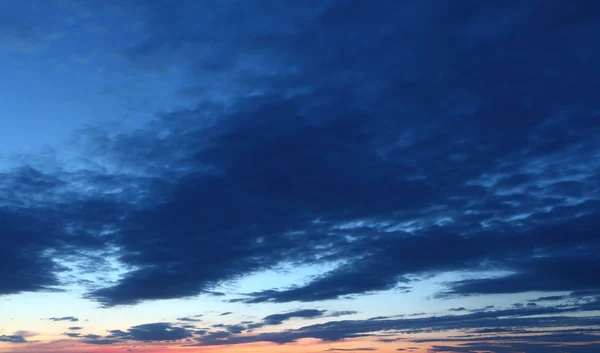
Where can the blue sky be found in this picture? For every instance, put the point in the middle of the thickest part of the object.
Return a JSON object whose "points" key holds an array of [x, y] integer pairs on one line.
{"points": [[332, 175]]}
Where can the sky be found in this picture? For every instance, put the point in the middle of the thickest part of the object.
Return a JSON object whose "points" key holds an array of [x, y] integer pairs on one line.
{"points": [[299, 176]]}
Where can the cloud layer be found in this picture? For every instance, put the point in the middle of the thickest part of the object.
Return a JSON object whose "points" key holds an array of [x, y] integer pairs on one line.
{"points": [[390, 143]]}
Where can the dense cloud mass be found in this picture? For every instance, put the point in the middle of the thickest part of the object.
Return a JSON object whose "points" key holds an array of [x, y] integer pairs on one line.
{"points": [[366, 146], [392, 143]]}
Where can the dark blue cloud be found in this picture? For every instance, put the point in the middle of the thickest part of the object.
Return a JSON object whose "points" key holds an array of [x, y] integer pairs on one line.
{"points": [[469, 136], [12, 339], [92, 336], [22, 255], [341, 313], [277, 319], [457, 309], [101, 341], [542, 324], [512, 347], [159, 331], [567, 267], [44, 220], [550, 274], [513, 326], [64, 318], [188, 319]]}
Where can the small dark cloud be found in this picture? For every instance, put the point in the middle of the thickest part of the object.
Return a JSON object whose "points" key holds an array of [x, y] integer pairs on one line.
{"points": [[341, 313], [92, 336], [12, 339], [379, 318], [551, 298], [65, 318], [277, 319], [457, 309], [232, 328], [213, 293], [416, 314], [159, 331], [101, 341], [235, 329], [388, 340], [188, 319]]}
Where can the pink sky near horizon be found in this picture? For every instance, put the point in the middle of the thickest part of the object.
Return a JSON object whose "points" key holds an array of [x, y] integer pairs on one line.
{"points": [[302, 346]]}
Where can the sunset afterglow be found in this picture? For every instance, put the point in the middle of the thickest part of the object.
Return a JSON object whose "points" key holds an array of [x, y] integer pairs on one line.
{"points": [[299, 176]]}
